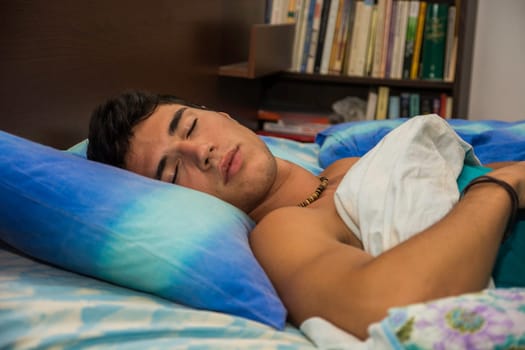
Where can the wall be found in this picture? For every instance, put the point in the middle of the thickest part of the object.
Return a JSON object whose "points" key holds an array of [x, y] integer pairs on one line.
{"points": [[60, 58], [498, 71]]}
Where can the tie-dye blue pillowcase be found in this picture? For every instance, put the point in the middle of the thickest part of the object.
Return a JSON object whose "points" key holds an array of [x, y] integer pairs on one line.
{"points": [[108, 223]]}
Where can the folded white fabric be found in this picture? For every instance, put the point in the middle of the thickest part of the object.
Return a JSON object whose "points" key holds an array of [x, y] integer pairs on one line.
{"points": [[404, 184]]}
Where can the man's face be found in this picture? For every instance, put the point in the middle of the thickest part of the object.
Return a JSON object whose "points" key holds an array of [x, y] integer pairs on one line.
{"points": [[203, 150]]}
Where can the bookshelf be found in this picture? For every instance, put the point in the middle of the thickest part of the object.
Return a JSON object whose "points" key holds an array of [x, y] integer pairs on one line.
{"points": [[287, 89]]}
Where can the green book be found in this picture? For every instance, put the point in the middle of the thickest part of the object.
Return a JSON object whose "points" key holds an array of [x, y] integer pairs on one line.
{"points": [[434, 39], [410, 38], [414, 105]]}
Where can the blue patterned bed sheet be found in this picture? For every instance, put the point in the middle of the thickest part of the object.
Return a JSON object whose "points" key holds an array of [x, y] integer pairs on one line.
{"points": [[45, 307]]}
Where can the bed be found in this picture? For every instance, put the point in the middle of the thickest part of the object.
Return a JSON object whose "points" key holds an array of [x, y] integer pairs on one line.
{"points": [[91, 256], [90, 266]]}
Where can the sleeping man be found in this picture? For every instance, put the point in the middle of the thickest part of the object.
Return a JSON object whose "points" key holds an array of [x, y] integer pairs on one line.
{"points": [[318, 241]]}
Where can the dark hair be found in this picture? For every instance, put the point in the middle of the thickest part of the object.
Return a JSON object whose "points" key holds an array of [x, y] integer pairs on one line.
{"points": [[112, 122]]}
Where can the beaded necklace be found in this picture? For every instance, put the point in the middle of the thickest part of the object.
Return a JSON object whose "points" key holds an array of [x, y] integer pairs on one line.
{"points": [[317, 193]]}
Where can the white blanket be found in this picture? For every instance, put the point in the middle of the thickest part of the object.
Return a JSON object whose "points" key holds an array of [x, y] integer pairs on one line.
{"points": [[403, 185]]}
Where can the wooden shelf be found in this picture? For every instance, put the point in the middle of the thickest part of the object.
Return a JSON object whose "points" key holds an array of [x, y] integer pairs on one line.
{"points": [[342, 79], [270, 51]]}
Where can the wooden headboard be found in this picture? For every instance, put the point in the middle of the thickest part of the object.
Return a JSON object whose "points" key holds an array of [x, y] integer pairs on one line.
{"points": [[60, 58]]}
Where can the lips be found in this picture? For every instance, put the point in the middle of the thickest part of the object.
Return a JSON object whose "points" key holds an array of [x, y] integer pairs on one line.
{"points": [[230, 164]]}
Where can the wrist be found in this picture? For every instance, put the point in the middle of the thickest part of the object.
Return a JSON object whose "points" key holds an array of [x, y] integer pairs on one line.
{"points": [[512, 195]]}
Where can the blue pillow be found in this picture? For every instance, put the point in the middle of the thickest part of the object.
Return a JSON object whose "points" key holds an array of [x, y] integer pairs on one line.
{"points": [[105, 222], [493, 140]]}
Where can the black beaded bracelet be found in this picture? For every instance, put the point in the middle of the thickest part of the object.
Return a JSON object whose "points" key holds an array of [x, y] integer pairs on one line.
{"points": [[514, 199]]}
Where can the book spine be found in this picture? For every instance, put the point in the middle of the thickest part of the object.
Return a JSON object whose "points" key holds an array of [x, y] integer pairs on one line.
{"points": [[433, 53], [394, 107], [391, 38], [343, 37], [325, 11], [386, 39], [302, 6], [414, 105], [426, 104], [316, 25], [290, 13], [337, 36], [358, 48], [371, 105], [410, 37], [348, 42], [379, 38], [450, 101], [399, 39], [329, 37], [268, 11], [382, 102], [443, 105], [451, 34], [308, 34], [371, 42], [404, 105], [414, 68]]}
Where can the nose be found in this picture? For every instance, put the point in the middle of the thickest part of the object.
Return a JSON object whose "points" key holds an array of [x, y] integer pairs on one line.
{"points": [[198, 153]]}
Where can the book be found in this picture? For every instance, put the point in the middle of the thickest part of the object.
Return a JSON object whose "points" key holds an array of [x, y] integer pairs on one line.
{"points": [[436, 105], [413, 13], [398, 51], [277, 11], [391, 34], [268, 11], [298, 46], [341, 38], [314, 38], [336, 41], [414, 105], [379, 38], [371, 104], [404, 105], [450, 101], [382, 102], [426, 103], [443, 105], [290, 14], [325, 11], [433, 47], [414, 68], [371, 42], [450, 50], [386, 39], [348, 45], [329, 36], [393, 107], [308, 34], [359, 41]]}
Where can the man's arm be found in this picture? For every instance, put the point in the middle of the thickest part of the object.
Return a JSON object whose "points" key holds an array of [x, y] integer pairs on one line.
{"points": [[316, 275]]}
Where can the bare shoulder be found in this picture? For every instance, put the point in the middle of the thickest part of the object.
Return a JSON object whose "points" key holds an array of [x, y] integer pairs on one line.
{"points": [[289, 227], [287, 238], [304, 261]]}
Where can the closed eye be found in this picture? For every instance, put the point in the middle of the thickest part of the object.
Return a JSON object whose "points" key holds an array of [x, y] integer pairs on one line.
{"points": [[192, 127], [174, 179]]}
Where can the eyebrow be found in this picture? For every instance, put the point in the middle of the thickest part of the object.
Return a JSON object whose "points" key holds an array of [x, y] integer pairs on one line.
{"points": [[172, 128], [174, 124]]}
